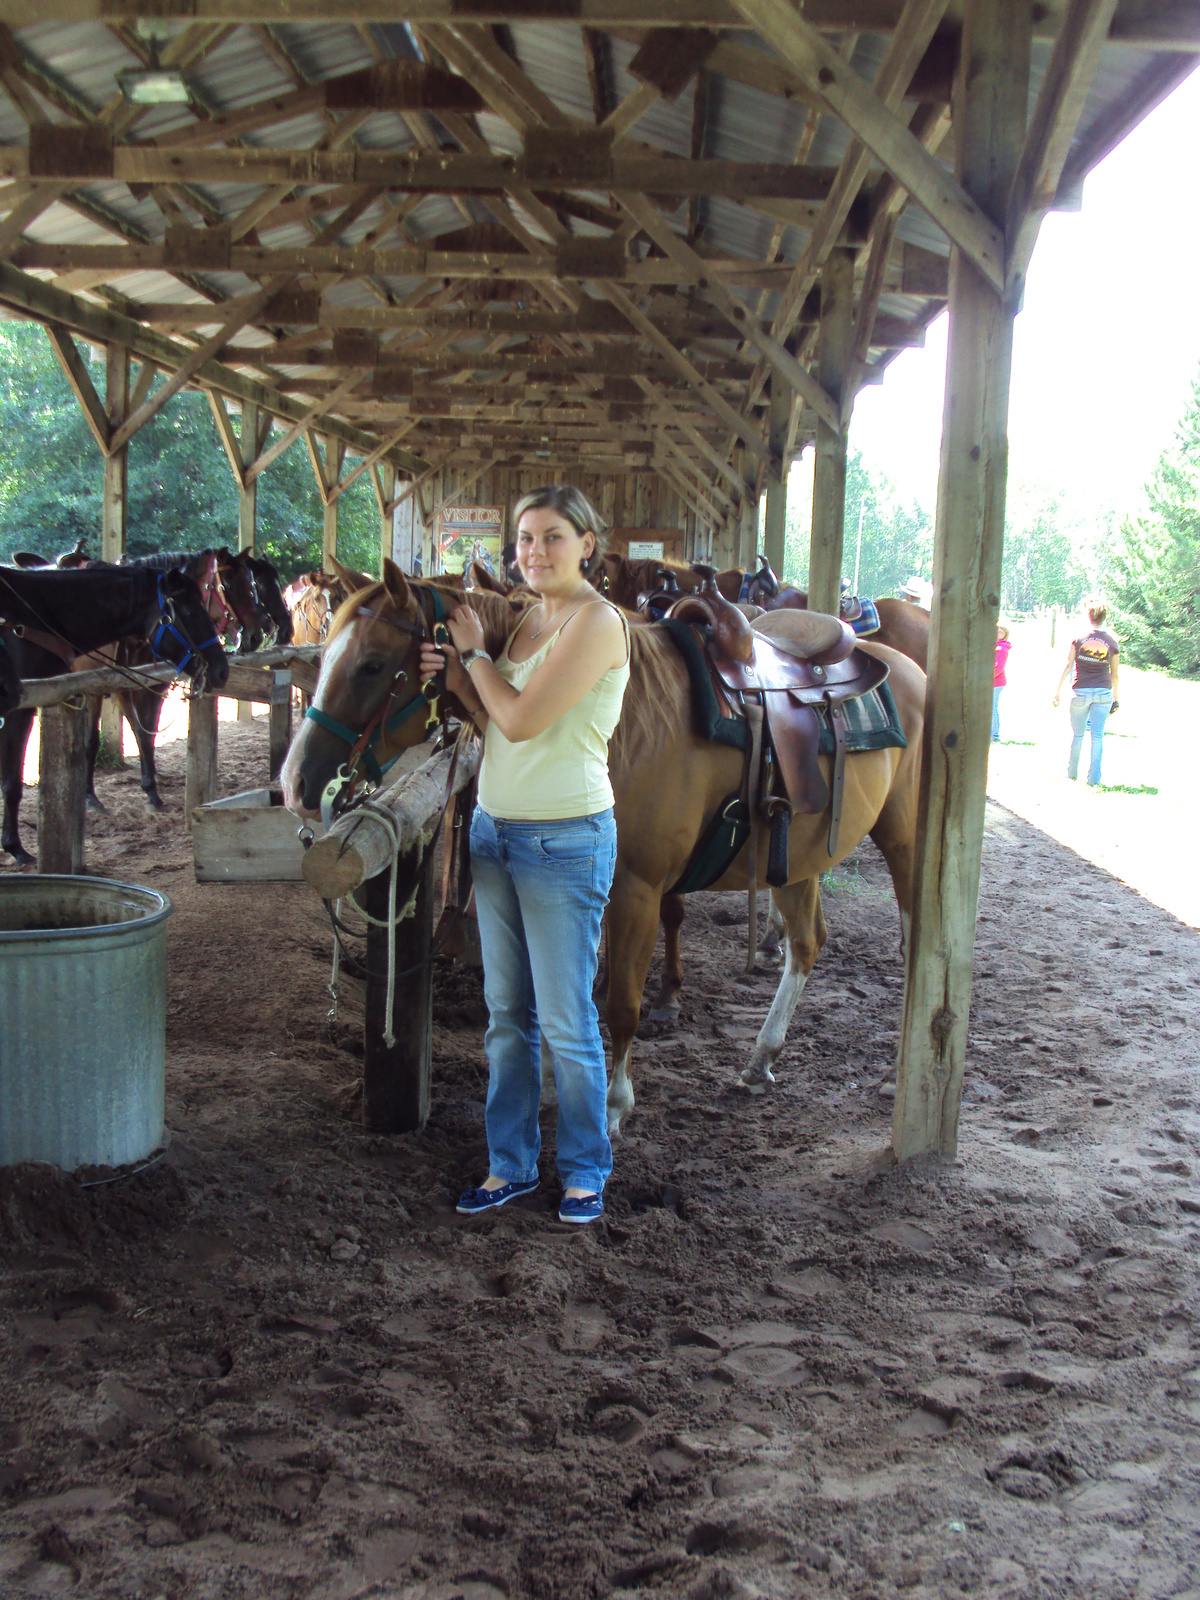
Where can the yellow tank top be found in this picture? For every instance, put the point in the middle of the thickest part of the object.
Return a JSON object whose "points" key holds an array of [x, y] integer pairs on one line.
{"points": [[563, 771]]}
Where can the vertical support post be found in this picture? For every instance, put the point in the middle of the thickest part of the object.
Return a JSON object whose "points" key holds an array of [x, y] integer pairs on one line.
{"points": [[280, 719], [200, 782], [334, 452], [835, 353], [62, 789], [387, 519], [396, 1078], [248, 507], [113, 515], [775, 528], [748, 532], [991, 100]]}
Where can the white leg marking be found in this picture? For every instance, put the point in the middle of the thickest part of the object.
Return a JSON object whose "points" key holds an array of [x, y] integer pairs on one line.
{"points": [[620, 1093], [774, 1030]]}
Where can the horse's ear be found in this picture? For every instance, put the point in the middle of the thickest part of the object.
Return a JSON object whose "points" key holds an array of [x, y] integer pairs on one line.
{"points": [[353, 580], [395, 583], [481, 578]]}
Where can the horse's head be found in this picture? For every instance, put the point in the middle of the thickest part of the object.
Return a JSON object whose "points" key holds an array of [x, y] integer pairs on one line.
{"points": [[270, 597], [240, 594], [369, 705], [477, 576], [181, 631]]}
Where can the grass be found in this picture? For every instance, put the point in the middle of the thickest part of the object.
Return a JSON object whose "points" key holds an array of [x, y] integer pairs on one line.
{"points": [[844, 880], [1125, 788]]}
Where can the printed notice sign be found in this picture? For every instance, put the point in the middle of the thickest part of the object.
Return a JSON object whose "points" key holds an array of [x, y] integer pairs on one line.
{"points": [[645, 550], [469, 533]]}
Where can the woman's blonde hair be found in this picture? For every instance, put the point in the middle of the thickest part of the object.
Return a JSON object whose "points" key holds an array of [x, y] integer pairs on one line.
{"points": [[579, 511]]}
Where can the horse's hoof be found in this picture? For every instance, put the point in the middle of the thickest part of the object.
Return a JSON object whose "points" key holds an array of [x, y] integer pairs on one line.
{"points": [[92, 804], [21, 858], [153, 803], [664, 1014], [757, 1073]]}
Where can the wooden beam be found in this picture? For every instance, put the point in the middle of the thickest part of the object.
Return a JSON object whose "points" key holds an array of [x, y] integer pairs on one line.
{"points": [[835, 348], [62, 788], [775, 518], [991, 108], [80, 380], [1051, 129], [228, 438], [739, 316], [45, 303], [302, 425], [715, 402], [368, 462], [847, 96]]}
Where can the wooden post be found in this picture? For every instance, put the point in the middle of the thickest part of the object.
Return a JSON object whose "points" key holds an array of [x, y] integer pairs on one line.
{"points": [[112, 516], [280, 719], [62, 788], [991, 99], [775, 522], [835, 352], [334, 452], [248, 508], [396, 1078], [200, 784], [387, 518], [748, 533]]}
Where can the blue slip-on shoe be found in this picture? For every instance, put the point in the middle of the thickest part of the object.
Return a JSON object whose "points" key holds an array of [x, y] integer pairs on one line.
{"points": [[474, 1201], [582, 1208]]}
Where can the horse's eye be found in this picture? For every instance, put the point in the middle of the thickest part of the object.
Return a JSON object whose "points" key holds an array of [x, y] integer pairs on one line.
{"points": [[371, 668]]}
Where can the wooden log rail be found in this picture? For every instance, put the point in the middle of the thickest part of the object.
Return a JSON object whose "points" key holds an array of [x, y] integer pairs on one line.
{"points": [[355, 854], [267, 676]]}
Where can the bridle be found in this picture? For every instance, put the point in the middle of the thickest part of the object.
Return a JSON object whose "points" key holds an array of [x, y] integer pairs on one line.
{"points": [[338, 793], [168, 627]]}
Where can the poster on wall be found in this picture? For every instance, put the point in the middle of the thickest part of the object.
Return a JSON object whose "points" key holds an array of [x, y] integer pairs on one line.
{"points": [[469, 533]]}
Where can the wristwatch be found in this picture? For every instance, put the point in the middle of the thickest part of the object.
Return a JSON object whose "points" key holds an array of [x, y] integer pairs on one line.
{"points": [[470, 657]]}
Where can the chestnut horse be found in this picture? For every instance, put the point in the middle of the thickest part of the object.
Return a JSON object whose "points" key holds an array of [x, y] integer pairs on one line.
{"points": [[668, 784]]}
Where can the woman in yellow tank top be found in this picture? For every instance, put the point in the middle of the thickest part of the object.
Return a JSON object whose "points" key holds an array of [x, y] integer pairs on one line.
{"points": [[543, 848]]}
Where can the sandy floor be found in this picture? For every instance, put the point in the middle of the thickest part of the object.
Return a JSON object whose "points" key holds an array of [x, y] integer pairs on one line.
{"points": [[278, 1364]]}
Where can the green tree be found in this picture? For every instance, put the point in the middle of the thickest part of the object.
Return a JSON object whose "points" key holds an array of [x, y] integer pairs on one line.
{"points": [[1153, 580], [897, 537], [181, 492], [1048, 560]]}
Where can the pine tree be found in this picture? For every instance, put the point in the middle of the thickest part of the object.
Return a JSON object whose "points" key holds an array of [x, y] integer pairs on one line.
{"points": [[1154, 581]]}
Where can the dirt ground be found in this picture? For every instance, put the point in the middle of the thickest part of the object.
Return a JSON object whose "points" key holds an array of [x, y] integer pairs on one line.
{"points": [[277, 1364]]}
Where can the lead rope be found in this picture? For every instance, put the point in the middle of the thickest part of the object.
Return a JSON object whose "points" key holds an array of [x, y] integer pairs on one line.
{"points": [[392, 825]]}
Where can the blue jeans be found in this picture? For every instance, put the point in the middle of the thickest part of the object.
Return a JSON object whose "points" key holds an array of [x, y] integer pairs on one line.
{"points": [[540, 892], [996, 693], [1089, 710]]}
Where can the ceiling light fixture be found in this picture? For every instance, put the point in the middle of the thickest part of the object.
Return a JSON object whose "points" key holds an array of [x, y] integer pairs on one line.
{"points": [[153, 85]]}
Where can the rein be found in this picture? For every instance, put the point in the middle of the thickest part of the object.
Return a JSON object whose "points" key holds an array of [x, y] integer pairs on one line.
{"points": [[385, 721]]}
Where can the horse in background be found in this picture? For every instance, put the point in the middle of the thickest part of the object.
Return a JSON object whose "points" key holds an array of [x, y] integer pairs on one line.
{"points": [[312, 599], [66, 616]]}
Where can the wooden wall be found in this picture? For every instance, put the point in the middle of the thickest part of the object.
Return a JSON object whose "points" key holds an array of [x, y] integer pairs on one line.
{"points": [[631, 500]]}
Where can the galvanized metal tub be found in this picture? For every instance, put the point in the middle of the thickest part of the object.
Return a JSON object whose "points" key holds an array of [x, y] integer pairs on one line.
{"points": [[83, 1010]]}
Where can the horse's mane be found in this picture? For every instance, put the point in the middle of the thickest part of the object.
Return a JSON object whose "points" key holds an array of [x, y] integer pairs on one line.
{"points": [[166, 560], [497, 615], [658, 698]]}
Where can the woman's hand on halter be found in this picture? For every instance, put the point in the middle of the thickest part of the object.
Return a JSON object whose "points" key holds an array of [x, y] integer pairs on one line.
{"points": [[466, 630]]}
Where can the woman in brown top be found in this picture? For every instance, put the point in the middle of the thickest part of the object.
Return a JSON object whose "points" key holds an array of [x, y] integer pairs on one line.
{"points": [[1094, 658]]}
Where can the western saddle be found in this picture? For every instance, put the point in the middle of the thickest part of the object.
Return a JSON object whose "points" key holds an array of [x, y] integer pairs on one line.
{"points": [[780, 675]]}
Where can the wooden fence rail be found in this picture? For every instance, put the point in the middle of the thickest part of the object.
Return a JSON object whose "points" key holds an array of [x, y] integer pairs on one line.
{"points": [[267, 676]]}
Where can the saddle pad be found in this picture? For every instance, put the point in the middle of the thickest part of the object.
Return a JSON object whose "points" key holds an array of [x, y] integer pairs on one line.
{"points": [[872, 723], [863, 617], [710, 723]]}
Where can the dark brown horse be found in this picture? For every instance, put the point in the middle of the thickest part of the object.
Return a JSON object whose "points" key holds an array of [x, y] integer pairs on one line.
{"points": [[64, 615], [10, 682], [668, 784]]}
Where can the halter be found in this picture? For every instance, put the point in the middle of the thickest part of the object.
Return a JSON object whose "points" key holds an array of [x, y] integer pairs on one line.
{"points": [[167, 625], [362, 744]]}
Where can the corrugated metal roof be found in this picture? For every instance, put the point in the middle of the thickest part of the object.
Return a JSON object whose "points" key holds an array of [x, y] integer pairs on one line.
{"points": [[740, 123]]}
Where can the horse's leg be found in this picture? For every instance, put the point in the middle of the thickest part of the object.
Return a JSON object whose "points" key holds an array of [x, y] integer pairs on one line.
{"points": [[91, 750], [670, 914], [632, 932], [895, 835], [142, 710], [800, 904], [14, 736], [771, 943]]}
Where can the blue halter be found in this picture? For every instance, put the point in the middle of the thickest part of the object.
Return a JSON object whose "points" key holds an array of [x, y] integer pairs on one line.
{"points": [[167, 626]]}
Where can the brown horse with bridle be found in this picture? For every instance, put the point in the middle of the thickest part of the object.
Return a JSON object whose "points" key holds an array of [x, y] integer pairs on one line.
{"points": [[668, 783]]}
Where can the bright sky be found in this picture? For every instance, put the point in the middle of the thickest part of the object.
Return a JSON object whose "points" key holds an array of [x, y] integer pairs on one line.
{"points": [[1105, 347]]}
